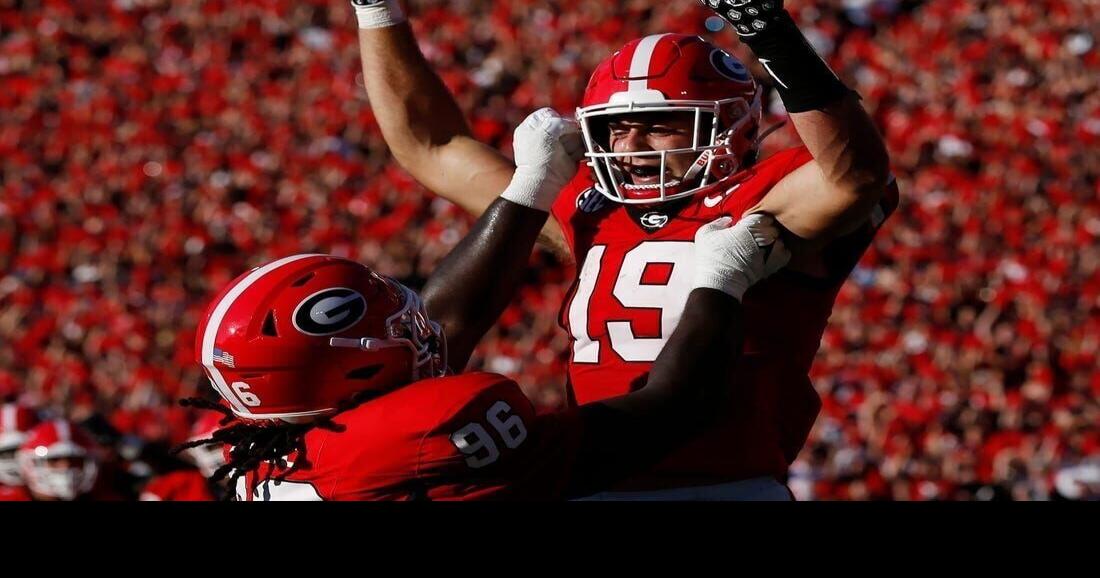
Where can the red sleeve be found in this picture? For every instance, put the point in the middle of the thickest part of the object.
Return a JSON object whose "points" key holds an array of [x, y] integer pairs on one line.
{"points": [[496, 443], [761, 177], [419, 441]]}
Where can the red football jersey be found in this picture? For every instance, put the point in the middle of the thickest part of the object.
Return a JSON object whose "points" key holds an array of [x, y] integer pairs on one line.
{"points": [[634, 277], [464, 437], [178, 486]]}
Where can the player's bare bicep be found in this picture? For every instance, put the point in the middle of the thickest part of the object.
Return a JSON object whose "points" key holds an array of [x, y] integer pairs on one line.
{"points": [[795, 201], [468, 173]]}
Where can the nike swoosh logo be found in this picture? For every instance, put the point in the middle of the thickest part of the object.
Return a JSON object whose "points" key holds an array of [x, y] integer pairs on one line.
{"points": [[764, 62], [712, 202]]}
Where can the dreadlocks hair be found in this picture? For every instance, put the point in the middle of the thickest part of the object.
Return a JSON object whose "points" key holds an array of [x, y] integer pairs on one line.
{"points": [[254, 443]]}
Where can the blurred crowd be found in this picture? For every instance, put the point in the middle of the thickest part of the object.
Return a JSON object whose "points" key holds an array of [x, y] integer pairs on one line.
{"points": [[150, 151]]}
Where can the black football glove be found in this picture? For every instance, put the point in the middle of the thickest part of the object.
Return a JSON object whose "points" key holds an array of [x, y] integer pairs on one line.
{"points": [[748, 17]]}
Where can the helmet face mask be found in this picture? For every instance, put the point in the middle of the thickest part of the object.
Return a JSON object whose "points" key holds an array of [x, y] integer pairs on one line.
{"points": [[408, 328], [15, 423], [708, 151], [670, 74], [411, 327], [63, 478], [57, 461], [9, 468]]}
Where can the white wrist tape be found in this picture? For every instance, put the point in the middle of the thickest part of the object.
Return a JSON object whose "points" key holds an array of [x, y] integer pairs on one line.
{"points": [[378, 13], [528, 190]]}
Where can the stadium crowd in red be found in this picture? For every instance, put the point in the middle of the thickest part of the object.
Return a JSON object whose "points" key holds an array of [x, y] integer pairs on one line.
{"points": [[152, 150]]}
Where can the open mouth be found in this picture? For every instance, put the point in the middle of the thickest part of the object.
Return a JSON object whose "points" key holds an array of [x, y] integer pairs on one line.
{"points": [[647, 177], [642, 172]]}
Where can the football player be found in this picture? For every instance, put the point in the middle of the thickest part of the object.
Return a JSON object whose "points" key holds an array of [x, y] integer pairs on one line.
{"points": [[344, 388], [671, 127], [59, 462], [15, 422]]}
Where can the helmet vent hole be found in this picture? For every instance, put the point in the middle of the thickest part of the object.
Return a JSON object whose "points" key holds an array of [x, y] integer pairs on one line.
{"points": [[364, 372], [269, 325], [303, 280]]}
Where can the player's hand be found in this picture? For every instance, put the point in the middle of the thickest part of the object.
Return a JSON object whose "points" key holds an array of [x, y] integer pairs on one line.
{"points": [[548, 149], [748, 17], [732, 258]]}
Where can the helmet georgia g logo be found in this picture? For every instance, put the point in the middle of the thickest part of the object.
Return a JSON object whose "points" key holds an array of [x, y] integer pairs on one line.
{"points": [[329, 311], [728, 66]]}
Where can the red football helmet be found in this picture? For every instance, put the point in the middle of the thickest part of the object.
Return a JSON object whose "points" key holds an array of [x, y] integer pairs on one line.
{"points": [[58, 460], [292, 339], [671, 73], [15, 422]]}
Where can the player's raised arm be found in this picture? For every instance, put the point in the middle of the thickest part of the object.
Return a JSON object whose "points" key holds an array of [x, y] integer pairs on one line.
{"points": [[421, 122], [837, 192], [474, 283], [626, 433]]}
